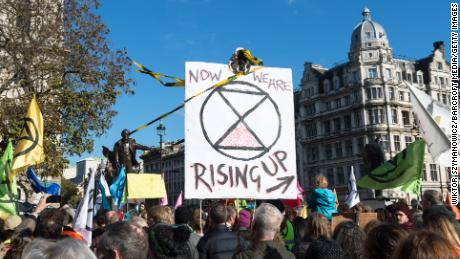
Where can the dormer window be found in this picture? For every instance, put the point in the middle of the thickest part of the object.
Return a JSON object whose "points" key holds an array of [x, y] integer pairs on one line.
{"points": [[368, 34], [439, 66]]}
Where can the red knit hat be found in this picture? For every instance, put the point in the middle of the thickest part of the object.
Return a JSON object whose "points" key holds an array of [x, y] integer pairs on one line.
{"points": [[404, 208]]}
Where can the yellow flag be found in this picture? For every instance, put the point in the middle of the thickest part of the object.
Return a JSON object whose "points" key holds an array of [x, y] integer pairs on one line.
{"points": [[146, 185], [29, 149]]}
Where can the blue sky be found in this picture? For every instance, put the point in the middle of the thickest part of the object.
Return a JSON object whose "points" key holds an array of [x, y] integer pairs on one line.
{"points": [[164, 34]]}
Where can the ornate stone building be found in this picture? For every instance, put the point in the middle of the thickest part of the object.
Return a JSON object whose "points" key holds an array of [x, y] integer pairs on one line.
{"points": [[341, 109]]}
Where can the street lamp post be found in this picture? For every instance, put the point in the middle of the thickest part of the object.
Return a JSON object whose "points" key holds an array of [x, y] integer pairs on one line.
{"points": [[161, 131]]}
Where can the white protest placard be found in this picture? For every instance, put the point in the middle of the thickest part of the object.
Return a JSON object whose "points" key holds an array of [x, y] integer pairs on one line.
{"points": [[239, 138]]}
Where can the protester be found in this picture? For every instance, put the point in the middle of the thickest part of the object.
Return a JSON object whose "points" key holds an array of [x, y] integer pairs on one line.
{"points": [[101, 218], [442, 225], [19, 240], [431, 198], [350, 238], [183, 216], [317, 228], [403, 216], [65, 248], [159, 214], [50, 223], [267, 222], [244, 224], [112, 217], [123, 240], [382, 240], [323, 249], [198, 221], [300, 229], [68, 231], [142, 211], [425, 245], [371, 225], [167, 241], [322, 200], [139, 222], [219, 242]]}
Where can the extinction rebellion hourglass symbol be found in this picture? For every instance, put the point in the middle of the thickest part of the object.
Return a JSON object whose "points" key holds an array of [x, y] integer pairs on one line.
{"points": [[240, 121]]}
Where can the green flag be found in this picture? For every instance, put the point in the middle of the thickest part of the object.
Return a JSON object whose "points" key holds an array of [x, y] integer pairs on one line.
{"points": [[404, 171], [7, 207]]}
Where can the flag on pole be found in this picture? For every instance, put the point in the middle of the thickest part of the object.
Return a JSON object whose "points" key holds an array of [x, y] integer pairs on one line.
{"points": [[164, 200], [83, 222], [39, 186], [404, 171], [117, 188], [29, 150], [178, 201], [434, 120], [7, 206], [353, 195], [103, 195]]}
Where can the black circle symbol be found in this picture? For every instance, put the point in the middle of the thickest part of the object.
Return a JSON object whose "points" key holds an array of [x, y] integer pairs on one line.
{"points": [[28, 136], [240, 121]]}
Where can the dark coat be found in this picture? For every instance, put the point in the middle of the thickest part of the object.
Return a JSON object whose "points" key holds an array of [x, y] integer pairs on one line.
{"points": [[220, 243], [266, 250]]}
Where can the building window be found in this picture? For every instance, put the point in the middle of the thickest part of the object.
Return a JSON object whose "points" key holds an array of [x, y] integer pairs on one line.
{"points": [[372, 73], [347, 122], [327, 127], [409, 77], [441, 80], [337, 83], [394, 115], [337, 125], [444, 98], [356, 96], [439, 66], [356, 76], [357, 116], [405, 118], [375, 115], [408, 140], [328, 106], [435, 79], [398, 76], [434, 172], [347, 100], [360, 144], [374, 93], [340, 175], [368, 34], [397, 143], [385, 143], [392, 93], [420, 79], [349, 147], [338, 149], [424, 178], [338, 103], [311, 129], [388, 73], [401, 95], [330, 176], [328, 151]]}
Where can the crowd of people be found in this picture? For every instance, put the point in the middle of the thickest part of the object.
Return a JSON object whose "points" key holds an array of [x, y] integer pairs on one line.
{"points": [[271, 230]]}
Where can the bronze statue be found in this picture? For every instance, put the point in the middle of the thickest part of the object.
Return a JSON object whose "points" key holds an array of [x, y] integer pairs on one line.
{"points": [[124, 153]]}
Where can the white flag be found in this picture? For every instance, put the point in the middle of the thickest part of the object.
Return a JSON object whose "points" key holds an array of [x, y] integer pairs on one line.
{"points": [[433, 118], [83, 222], [353, 195]]}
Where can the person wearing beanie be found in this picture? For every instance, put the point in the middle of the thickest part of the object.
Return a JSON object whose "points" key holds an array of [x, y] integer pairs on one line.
{"points": [[404, 216], [244, 224]]}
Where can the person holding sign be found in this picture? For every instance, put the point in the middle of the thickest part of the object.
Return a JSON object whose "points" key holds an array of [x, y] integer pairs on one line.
{"points": [[322, 200]]}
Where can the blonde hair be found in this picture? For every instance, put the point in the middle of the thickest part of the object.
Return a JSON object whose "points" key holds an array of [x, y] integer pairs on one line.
{"points": [[321, 181], [442, 225], [160, 214]]}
